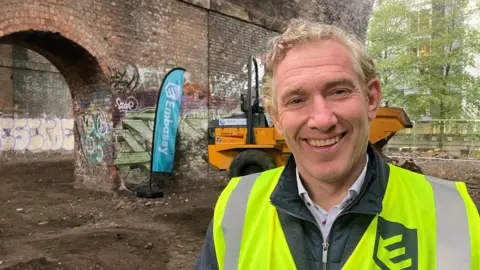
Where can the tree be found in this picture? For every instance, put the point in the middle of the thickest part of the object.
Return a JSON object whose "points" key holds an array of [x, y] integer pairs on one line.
{"points": [[423, 52]]}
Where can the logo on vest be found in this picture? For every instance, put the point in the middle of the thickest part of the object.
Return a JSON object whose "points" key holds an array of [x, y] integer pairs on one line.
{"points": [[395, 246]]}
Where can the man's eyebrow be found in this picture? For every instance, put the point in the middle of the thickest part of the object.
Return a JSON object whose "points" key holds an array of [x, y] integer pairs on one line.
{"points": [[339, 81], [293, 92]]}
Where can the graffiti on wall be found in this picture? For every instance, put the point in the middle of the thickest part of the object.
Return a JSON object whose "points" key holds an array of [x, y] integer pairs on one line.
{"points": [[134, 120], [133, 125], [36, 134], [151, 78], [93, 130], [133, 142], [93, 108], [261, 72], [125, 82], [194, 99], [91, 97], [128, 105], [136, 91], [226, 88]]}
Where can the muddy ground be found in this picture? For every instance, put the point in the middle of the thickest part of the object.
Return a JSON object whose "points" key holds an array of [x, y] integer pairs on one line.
{"points": [[45, 223]]}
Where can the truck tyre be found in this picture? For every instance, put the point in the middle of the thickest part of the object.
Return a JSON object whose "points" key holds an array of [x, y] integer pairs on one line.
{"points": [[249, 162]]}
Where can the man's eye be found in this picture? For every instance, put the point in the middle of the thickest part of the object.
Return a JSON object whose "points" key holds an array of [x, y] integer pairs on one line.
{"points": [[341, 92], [296, 101]]}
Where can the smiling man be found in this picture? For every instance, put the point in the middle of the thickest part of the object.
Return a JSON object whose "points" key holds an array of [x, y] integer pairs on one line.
{"points": [[324, 110], [335, 204]]}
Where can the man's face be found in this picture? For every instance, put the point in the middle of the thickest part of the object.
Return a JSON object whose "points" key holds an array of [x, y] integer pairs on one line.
{"points": [[322, 110]]}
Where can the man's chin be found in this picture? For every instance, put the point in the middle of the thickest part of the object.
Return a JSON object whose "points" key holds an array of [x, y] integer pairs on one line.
{"points": [[328, 175]]}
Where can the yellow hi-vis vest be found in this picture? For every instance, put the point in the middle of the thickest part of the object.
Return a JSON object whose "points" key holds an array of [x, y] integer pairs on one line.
{"points": [[437, 216]]}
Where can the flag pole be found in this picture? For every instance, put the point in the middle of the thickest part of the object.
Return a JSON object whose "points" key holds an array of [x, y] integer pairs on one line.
{"points": [[150, 193]]}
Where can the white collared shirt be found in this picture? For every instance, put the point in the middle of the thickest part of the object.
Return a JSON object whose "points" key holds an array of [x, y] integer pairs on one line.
{"points": [[323, 218]]}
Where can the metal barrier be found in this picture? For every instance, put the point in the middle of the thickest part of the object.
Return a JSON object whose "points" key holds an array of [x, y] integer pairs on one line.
{"points": [[455, 137]]}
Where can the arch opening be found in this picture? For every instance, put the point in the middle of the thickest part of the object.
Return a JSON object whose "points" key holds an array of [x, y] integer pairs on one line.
{"points": [[72, 117], [78, 66]]}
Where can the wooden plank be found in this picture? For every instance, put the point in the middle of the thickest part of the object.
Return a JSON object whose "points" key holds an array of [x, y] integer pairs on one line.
{"points": [[130, 140], [125, 158], [140, 127], [136, 147]]}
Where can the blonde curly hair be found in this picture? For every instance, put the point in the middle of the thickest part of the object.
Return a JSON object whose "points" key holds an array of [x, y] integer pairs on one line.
{"points": [[299, 31]]}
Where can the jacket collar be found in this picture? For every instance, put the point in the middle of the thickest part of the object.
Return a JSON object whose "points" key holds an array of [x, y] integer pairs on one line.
{"points": [[285, 195]]}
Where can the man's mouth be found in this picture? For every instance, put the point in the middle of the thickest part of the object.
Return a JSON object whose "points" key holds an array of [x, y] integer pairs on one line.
{"points": [[327, 142]]}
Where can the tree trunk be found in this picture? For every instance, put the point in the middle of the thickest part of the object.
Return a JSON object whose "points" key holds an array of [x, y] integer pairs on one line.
{"points": [[442, 127]]}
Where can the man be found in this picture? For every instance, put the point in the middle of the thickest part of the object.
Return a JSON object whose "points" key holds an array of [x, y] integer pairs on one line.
{"points": [[335, 204]]}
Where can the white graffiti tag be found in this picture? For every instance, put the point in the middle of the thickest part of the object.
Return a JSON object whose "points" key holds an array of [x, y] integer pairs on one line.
{"points": [[131, 104], [36, 134]]}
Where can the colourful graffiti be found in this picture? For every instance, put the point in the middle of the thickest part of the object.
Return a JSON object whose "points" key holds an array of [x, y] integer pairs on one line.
{"points": [[93, 129], [36, 134], [93, 136]]}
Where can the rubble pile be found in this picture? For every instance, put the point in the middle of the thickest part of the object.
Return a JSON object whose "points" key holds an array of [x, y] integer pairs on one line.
{"points": [[408, 164], [437, 153]]}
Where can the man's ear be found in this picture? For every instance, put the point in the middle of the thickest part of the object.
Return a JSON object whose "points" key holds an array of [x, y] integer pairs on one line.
{"points": [[276, 121], [374, 98]]}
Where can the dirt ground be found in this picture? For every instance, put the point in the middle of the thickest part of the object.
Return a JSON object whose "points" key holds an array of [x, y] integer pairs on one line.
{"points": [[45, 223], [467, 171]]}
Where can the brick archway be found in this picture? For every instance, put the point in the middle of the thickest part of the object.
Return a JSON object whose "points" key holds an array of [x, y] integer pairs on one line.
{"points": [[55, 19], [80, 57]]}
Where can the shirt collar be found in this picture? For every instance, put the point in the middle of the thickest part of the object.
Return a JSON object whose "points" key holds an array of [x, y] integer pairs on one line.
{"points": [[353, 191]]}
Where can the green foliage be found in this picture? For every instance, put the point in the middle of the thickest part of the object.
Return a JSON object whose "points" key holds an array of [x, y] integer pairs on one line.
{"points": [[423, 51]]}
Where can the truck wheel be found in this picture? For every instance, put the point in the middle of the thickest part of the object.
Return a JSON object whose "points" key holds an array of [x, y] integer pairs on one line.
{"points": [[249, 162]]}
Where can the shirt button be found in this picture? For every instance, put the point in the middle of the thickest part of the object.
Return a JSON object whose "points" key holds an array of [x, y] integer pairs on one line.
{"points": [[309, 204]]}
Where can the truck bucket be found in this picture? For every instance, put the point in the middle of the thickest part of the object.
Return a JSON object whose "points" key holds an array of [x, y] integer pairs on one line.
{"points": [[388, 122]]}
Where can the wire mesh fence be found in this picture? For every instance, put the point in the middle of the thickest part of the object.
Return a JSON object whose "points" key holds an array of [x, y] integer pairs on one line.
{"points": [[460, 138]]}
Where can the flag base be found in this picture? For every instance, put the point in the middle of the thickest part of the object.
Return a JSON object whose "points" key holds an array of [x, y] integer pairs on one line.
{"points": [[150, 194], [155, 187]]}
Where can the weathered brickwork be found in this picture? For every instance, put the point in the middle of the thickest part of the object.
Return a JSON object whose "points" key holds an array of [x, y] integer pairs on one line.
{"points": [[271, 14], [32, 73], [6, 82], [232, 42], [113, 56]]}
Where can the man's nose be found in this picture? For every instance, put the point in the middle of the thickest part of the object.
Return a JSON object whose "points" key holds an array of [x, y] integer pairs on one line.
{"points": [[321, 115]]}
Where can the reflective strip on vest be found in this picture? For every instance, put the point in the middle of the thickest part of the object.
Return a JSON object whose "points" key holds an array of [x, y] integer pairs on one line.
{"points": [[250, 236], [450, 220], [233, 219]]}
